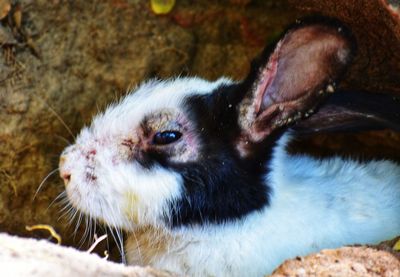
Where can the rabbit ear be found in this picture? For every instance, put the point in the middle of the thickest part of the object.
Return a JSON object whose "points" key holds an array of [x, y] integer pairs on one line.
{"points": [[282, 87]]}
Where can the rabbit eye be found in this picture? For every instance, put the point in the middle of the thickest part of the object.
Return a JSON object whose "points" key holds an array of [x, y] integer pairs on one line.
{"points": [[166, 137]]}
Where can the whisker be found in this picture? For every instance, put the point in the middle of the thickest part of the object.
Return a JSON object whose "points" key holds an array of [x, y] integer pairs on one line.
{"points": [[67, 210], [121, 241], [67, 142], [44, 180], [90, 227], [85, 233], [107, 240], [94, 227], [105, 230], [72, 215], [64, 201], [97, 107], [56, 115], [112, 234], [67, 205], [83, 237], [61, 197], [77, 224]]}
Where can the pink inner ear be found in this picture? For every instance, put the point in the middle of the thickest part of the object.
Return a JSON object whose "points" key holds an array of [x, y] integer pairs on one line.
{"points": [[268, 73], [303, 61]]}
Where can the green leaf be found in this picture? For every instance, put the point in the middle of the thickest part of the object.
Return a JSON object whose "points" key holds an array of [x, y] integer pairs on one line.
{"points": [[162, 6], [396, 246]]}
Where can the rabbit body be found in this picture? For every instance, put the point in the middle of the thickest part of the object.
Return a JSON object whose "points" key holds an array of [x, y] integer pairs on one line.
{"points": [[315, 204]]}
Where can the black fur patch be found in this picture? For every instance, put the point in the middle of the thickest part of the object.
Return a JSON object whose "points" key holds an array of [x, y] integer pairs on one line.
{"points": [[354, 111], [220, 186]]}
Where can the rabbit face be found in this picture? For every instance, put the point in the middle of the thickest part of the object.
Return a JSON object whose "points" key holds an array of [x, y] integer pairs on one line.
{"points": [[188, 151], [119, 169]]}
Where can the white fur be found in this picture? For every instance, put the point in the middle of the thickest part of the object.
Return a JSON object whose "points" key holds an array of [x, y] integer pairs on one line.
{"points": [[315, 204], [148, 98]]}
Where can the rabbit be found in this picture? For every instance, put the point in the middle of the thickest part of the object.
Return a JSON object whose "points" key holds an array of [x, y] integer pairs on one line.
{"points": [[198, 175]]}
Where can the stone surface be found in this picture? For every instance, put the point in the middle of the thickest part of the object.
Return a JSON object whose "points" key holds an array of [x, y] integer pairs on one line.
{"points": [[29, 257], [346, 261]]}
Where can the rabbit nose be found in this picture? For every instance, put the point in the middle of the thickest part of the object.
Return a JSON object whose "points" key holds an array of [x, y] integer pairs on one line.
{"points": [[64, 174], [66, 178]]}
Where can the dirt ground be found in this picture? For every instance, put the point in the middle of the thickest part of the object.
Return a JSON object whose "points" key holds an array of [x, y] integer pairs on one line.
{"points": [[73, 57]]}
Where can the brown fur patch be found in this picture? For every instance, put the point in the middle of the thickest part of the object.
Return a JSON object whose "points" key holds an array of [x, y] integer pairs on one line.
{"points": [[147, 243]]}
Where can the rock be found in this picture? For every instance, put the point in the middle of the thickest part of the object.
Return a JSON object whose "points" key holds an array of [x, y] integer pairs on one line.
{"points": [[30, 257], [345, 261]]}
